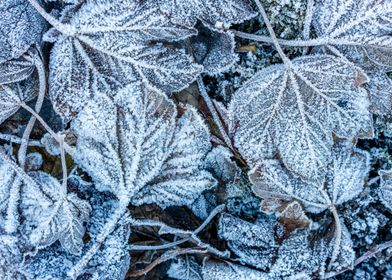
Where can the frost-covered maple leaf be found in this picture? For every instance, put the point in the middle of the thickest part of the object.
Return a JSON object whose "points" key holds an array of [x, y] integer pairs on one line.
{"points": [[41, 201], [57, 215], [363, 25], [21, 27], [137, 149], [105, 47], [294, 111], [343, 182]]}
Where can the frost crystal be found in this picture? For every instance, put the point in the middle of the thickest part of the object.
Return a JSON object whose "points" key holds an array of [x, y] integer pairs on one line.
{"points": [[295, 111]]}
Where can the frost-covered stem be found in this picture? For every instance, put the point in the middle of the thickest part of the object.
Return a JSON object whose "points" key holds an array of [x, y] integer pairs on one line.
{"points": [[38, 105], [338, 237], [65, 29], [67, 148], [307, 23], [63, 164], [211, 108], [363, 258], [192, 235], [18, 140], [107, 229], [271, 31], [164, 258]]}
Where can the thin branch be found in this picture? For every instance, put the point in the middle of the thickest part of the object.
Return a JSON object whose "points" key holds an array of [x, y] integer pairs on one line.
{"points": [[371, 253], [165, 257], [191, 235], [38, 105], [63, 164], [271, 31], [18, 140]]}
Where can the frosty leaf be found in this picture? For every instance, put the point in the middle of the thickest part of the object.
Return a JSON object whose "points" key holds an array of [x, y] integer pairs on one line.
{"points": [[346, 255], [224, 168], [253, 243], [185, 268], [21, 27], [62, 219], [113, 260], [10, 258], [292, 216], [214, 50], [343, 182], [365, 25], [213, 13], [218, 270], [109, 48], [380, 93], [137, 149], [295, 111], [386, 188], [18, 69], [11, 95]]}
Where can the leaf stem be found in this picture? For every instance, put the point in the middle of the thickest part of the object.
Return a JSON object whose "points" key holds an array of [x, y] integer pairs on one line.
{"points": [[18, 140], [192, 236], [164, 258], [338, 237], [38, 105], [67, 148], [63, 28], [271, 31], [371, 253], [307, 23]]}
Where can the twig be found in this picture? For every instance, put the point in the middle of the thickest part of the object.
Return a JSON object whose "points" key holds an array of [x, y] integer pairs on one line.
{"points": [[362, 258], [191, 235], [271, 31], [38, 105], [18, 140], [165, 257]]}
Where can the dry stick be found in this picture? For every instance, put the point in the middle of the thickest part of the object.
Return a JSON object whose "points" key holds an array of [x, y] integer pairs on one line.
{"points": [[363, 258], [38, 105], [271, 31], [164, 258]]}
